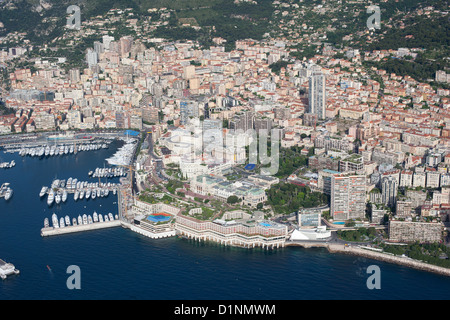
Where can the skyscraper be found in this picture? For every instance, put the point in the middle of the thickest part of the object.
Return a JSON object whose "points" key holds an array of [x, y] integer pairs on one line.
{"points": [[317, 94], [348, 196], [389, 186]]}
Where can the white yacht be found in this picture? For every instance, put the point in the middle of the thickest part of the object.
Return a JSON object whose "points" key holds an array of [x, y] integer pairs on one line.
{"points": [[46, 224], [55, 221], [8, 194], [64, 196], [61, 222], [85, 220], [100, 218], [67, 219], [95, 216], [58, 197], [90, 219], [51, 197], [74, 221], [80, 220], [81, 195], [111, 218], [76, 195], [43, 191]]}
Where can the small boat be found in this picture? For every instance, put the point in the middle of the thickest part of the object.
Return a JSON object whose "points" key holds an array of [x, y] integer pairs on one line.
{"points": [[46, 224]]}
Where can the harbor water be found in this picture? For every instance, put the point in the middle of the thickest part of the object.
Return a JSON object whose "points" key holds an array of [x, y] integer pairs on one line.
{"points": [[117, 263]]}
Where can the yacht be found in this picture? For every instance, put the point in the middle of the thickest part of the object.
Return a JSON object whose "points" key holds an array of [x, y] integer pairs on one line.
{"points": [[46, 224], [58, 197], [61, 222], [81, 194], [90, 219], [95, 216], [106, 218], [64, 196], [67, 221], [93, 194], [8, 194], [55, 221], [85, 220], [117, 217], [43, 191], [51, 197], [76, 195], [100, 218], [74, 221], [80, 220], [88, 193], [111, 218]]}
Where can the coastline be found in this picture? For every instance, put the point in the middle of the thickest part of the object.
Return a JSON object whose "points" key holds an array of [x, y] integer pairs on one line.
{"points": [[351, 250]]}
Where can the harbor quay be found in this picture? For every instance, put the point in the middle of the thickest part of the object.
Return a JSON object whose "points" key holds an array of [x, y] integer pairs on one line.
{"points": [[51, 231]]}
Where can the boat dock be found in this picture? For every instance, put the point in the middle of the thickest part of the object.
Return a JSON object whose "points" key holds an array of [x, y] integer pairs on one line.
{"points": [[50, 231]]}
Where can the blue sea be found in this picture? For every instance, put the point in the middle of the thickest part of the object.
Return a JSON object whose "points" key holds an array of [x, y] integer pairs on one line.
{"points": [[120, 264]]}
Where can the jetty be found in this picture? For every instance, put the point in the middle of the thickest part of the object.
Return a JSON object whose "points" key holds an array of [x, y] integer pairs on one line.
{"points": [[51, 231]]}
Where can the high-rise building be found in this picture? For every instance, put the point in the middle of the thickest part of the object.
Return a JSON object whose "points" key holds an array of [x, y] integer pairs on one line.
{"points": [[389, 186], [348, 196], [317, 95], [245, 121], [74, 75], [91, 58]]}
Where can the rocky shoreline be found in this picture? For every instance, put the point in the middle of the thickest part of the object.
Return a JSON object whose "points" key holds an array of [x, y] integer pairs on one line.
{"points": [[357, 251]]}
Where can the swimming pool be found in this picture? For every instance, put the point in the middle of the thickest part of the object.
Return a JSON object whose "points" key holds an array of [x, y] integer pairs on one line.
{"points": [[265, 224], [339, 222], [159, 217]]}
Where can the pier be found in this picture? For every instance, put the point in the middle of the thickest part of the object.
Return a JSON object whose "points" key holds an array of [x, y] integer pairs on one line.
{"points": [[50, 231]]}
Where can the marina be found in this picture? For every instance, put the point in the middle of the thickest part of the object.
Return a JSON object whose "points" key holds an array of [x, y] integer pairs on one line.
{"points": [[60, 189], [65, 225]]}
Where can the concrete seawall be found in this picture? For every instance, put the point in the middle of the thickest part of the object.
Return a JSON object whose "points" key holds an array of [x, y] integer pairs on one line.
{"points": [[46, 232], [408, 262], [386, 257]]}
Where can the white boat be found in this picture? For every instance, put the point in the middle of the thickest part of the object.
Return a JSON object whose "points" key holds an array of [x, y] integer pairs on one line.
{"points": [[111, 218], [117, 217], [81, 194], [61, 222], [8, 194], [55, 221], [100, 218], [95, 216], [76, 195], [43, 191], [58, 197], [85, 220], [74, 221], [64, 196], [93, 194], [7, 269], [67, 219], [106, 218], [90, 219], [51, 197], [46, 224], [80, 220], [88, 193]]}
